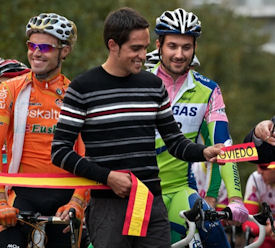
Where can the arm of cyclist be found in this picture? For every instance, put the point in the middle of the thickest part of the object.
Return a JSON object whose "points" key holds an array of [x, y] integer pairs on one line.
{"points": [[214, 130], [230, 174], [217, 124], [7, 212]]}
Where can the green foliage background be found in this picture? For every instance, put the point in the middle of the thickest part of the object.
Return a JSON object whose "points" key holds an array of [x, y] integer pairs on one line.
{"points": [[229, 50]]}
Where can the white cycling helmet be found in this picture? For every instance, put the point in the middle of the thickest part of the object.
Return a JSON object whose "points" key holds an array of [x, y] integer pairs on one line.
{"points": [[178, 21], [55, 25]]}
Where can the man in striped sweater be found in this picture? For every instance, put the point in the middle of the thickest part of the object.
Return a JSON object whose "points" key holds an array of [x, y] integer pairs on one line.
{"points": [[117, 107]]}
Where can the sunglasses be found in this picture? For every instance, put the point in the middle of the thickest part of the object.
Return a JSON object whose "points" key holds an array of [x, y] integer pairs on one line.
{"points": [[43, 48]]}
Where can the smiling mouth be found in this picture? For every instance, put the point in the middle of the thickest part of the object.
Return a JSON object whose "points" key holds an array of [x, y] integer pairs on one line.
{"points": [[38, 61], [179, 62]]}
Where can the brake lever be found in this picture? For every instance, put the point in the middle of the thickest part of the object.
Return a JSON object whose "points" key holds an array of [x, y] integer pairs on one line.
{"points": [[72, 218], [264, 215], [202, 216]]}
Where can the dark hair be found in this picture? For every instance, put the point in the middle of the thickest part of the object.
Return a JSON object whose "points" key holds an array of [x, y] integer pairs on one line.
{"points": [[119, 24]]}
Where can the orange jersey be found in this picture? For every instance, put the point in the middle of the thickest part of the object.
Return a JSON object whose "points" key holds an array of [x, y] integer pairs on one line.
{"points": [[43, 111]]}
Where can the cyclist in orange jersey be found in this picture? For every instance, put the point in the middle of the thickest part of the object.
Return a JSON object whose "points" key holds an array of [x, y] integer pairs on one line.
{"points": [[10, 68], [29, 110]]}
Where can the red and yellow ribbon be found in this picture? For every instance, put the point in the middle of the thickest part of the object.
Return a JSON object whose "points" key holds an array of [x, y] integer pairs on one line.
{"points": [[238, 153], [138, 209], [139, 204], [58, 180]]}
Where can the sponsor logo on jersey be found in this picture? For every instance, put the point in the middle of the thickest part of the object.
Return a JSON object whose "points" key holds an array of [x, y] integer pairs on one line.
{"points": [[35, 104], [37, 128], [191, 90], [221, 111], [184, 110], [201, 77], [12, 246], [58, 102], [44, 114], [58, 91], [237, 183], [3, 96]]}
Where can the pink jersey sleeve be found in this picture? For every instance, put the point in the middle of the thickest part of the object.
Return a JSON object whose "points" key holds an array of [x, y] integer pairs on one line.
{"points": [[216, 108]]}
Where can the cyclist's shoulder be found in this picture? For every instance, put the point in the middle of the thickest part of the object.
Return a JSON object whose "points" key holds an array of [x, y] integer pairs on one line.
{"points": [[18, 80], [14, 85], [203, 80], [255, 179]]}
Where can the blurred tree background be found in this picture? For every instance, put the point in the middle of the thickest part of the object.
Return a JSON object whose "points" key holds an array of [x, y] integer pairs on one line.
{"points": [[229, 50]]}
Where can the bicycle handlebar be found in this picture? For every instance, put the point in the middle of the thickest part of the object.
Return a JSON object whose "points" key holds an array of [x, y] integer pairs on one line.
{"points": [[196, 215], [35, 218], [261, 237]]}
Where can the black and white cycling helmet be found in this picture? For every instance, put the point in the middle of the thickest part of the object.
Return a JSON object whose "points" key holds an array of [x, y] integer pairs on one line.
{"points": [[178, 21], [55, 25], [152, 59], [11, 68]]}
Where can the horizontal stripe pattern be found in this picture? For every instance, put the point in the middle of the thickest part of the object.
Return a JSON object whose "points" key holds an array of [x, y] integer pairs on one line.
{"points": [[117, 118]]}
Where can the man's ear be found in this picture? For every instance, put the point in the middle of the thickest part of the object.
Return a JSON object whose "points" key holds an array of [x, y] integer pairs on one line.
{"points": [[157, 44], [113, 46], [65, 52]]}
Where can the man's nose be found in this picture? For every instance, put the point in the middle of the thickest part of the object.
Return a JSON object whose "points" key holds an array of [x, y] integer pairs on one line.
{"points": [[179, 52]]}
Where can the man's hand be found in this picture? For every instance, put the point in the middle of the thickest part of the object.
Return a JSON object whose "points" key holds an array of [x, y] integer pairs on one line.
{"points": [[212, 201], [265, 131], [7, 214], [63, 211], [120, 183], [239, 211], [211, 152], [268, 230]]}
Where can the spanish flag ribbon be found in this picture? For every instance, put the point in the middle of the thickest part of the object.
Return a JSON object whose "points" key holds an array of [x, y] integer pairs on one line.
{"points": [[238, 153], [139, 204], [45, 180], [138, 209]]}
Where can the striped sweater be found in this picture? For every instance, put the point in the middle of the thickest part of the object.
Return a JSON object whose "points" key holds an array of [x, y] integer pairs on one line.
{"points": [[117, 118]]}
